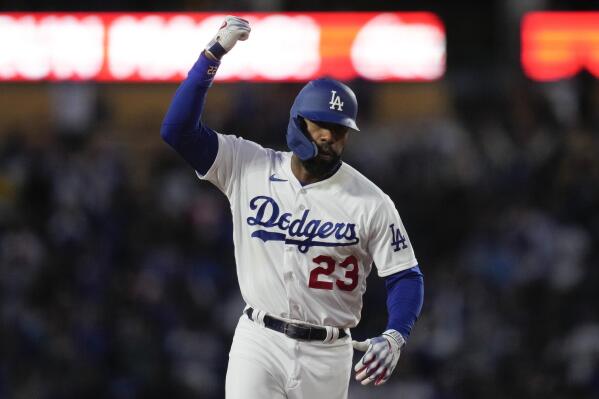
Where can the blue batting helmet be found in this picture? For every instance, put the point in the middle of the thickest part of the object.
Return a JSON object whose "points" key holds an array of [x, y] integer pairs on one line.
{"points": [[321, 100]]}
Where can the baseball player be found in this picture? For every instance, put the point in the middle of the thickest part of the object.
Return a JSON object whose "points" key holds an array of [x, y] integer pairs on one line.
{"points": [[307, 230]]}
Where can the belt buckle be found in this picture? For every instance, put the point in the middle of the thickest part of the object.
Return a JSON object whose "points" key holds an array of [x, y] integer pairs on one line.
{"points": [[292, 331], [286, 330]]}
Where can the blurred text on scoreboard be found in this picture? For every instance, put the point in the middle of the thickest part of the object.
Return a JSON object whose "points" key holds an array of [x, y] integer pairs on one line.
{"points": [[161, 47]]}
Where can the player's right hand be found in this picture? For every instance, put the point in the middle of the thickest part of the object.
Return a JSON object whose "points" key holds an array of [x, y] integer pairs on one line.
{"points": [[232, 30]]}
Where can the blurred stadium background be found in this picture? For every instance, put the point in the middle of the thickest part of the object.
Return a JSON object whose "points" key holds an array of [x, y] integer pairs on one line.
{"points": [[117, 277]]}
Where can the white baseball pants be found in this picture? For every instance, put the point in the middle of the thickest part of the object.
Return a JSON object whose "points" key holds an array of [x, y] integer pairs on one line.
{"points": [[266, 364]]}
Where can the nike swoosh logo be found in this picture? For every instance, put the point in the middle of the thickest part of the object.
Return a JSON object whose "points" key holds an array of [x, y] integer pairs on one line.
{"points": [[274, 178]]}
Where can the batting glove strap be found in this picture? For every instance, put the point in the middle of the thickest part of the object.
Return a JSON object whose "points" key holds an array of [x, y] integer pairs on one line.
{"points": [[380, 359], [232, 30], [395, 338], [215, 49]]}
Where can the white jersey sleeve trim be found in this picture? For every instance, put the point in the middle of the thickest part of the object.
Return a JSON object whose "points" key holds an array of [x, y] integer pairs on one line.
{"points": [[233, 154], [387, 271]]}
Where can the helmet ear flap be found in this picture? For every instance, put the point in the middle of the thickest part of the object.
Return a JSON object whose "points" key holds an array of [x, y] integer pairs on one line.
{"points": [[299, 139]]}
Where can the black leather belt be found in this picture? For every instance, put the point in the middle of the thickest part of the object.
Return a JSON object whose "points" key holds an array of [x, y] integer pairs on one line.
{"points": [[292, 330]]}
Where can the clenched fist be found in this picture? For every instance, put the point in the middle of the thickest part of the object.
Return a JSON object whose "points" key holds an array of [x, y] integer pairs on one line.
{"points": [[232, 30]]}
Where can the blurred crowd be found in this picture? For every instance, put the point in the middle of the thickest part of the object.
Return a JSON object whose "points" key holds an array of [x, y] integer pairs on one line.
{"points": [[112, 288]]}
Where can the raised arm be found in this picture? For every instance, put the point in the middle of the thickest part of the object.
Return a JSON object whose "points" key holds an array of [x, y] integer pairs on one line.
{"points": [[182, 127]]}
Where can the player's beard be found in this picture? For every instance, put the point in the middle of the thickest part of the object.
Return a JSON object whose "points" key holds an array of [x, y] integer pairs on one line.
{"points": [[322, 167]]}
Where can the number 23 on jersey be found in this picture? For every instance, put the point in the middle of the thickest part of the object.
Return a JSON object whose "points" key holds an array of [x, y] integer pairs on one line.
{"points": [[327, 267]]}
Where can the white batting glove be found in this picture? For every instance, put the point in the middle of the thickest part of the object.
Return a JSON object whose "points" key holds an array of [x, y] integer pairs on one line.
{"points": [[232, 30], [380, 359]]}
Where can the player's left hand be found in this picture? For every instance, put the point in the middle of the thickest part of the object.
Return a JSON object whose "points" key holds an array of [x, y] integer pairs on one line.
{"points": [[380, 359]]}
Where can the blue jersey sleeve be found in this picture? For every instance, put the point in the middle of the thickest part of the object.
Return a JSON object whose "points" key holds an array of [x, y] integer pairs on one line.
{"points": [[405, 295], [182, 127]]}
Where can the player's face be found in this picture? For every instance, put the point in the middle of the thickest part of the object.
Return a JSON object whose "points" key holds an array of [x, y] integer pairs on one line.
{"points": [[330, 139]]}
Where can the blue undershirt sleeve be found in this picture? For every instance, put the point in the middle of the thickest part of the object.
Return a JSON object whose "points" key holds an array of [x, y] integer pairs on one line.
{"points": [[182, 128], [405, 295]]}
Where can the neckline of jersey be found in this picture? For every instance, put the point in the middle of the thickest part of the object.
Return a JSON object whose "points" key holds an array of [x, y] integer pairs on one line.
{"points": [[296, 182]]}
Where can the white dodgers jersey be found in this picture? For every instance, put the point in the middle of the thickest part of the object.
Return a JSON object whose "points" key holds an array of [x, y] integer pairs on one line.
{"points": [[303, 252]]}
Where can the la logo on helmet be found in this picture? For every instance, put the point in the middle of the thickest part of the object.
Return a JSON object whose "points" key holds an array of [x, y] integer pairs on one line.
{"points": [[335, 101]]}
